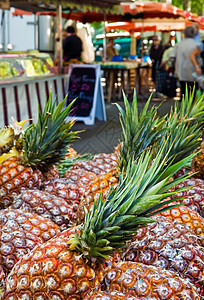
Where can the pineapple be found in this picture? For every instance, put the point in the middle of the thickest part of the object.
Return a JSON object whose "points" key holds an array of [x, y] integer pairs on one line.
{"points": [[100, 164], [72, 189], [100, 185], [188, 217], [70, 266], [170, 246], [147, 282], [51, 173], [194, 196], [42, 145], [47, 205], [20, 232], [14, 177]]}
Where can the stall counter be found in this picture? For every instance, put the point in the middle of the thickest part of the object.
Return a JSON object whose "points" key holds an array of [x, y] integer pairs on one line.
{"points": [[19, 97]]}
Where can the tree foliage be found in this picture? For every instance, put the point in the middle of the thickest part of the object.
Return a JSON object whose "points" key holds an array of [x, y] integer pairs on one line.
{"points": [[196, 6]]}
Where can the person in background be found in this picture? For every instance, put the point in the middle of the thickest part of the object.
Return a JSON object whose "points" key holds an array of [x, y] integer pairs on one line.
{"points": [[155, 54], [72, 45], [197, 33], [110, 50], [196, 55], [180, 55]]}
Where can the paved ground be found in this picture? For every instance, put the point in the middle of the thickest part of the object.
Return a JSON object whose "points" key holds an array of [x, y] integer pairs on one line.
{"points": [[104, 136]]}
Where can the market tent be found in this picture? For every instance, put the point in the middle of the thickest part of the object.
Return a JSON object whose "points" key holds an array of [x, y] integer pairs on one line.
{"points": [[144, 10], [81, 16], [80, 5], [77, 10], [148, 24], [130, 26]]}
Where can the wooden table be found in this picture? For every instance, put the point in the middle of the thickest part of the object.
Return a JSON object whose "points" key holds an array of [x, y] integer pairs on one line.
{"points": [[123, 70]]}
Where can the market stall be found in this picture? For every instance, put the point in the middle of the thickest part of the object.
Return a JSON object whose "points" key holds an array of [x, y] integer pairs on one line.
{"points": [[26, 78], [123, 76], [21, 90]]}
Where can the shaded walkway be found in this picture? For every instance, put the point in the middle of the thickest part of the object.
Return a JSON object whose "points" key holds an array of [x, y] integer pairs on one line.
{"points": [[104, 136]]}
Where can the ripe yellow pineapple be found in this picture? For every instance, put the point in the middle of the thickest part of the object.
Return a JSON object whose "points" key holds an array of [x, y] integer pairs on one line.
{"points": [[15, 176], [39, 147], [70, 266]]}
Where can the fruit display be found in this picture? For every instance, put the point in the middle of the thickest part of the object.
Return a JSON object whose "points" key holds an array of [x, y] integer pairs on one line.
{"points": [[7, 70], [25, 65], [71, 266], [124, 225]]}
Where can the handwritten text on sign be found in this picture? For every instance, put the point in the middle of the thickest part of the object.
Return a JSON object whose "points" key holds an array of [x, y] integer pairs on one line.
{"points": [[81, 86]]}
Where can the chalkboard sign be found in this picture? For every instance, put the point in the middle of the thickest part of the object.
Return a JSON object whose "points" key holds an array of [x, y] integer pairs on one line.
{"points": [[84, 84]]}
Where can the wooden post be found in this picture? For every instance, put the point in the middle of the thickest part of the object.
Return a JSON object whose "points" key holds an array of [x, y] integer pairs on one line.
{"points": [[133, 44], [105, 39]]}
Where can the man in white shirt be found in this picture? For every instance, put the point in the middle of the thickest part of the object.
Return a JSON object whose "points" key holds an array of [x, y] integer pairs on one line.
{"points": [[184, 67]]}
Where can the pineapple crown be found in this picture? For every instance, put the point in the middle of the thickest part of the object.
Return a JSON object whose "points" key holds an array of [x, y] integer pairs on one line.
{"points": [[139, 130], [184, 126], [45, 143], [142, 191]]}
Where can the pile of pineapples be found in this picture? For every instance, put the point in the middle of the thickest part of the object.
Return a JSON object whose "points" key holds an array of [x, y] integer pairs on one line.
{"points": [[125, 225]]}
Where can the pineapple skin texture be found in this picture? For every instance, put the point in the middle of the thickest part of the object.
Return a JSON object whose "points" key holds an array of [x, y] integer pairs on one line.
{"points": [[170, 246], [103, 295], [147, 282], [46, 205], [188, 217], [194, 197], [52, 271], [14, 177], [102, 184], [100, 164], [20, 232]]}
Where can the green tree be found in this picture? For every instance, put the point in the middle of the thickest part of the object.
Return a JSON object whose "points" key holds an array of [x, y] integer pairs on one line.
{"points": [[196, 6]]}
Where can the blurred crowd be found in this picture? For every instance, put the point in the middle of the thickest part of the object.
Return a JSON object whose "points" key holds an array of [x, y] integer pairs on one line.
{"points": [[173, 65], [183, 63]]}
